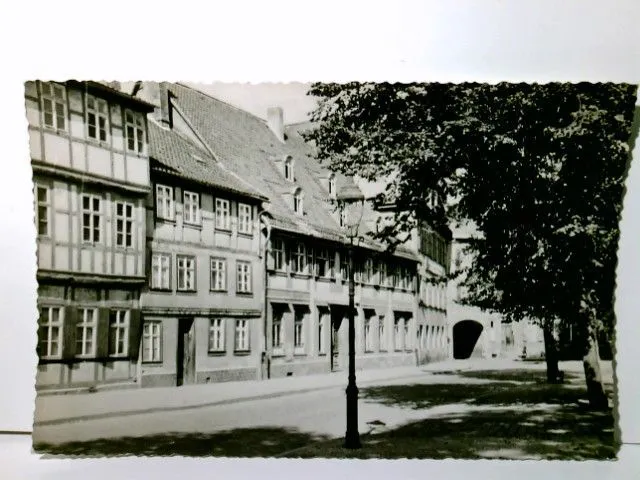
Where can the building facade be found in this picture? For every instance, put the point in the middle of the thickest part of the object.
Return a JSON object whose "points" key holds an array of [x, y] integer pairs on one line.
{"points": [[89, 154]]}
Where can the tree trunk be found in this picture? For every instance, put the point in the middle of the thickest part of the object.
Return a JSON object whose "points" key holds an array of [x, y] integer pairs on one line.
{"points": [[595, 390], [551, 354]]}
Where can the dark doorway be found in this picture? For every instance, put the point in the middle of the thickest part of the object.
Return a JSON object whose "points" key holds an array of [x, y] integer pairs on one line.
{"points": [[465, 337], [186, 353], [337, 315]]}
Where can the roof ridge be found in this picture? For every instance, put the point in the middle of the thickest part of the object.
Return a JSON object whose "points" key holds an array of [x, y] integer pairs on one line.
{"points": [[235, 107]]}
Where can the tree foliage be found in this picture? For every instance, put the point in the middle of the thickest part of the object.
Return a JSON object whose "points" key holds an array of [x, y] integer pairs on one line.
{"points": [[538, 168]]}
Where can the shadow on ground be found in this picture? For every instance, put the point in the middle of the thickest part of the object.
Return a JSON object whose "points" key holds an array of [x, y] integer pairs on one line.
{"points": [[242, 442]]}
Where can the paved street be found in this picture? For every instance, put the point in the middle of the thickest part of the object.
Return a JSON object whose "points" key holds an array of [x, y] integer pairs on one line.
{"points": [[269, 420]]}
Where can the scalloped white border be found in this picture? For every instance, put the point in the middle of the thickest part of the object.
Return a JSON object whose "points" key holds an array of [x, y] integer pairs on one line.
{"points": [[333, 40]]}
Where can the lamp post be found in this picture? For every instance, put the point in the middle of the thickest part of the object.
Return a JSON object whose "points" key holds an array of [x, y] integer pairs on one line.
{"points": [[351, 204]]}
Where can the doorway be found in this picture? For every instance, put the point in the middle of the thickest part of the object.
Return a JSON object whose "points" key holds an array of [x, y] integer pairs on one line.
{"points": [[186, 353], [465, 339]]}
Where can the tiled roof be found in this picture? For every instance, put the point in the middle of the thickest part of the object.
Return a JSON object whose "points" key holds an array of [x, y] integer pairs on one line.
{"points": [[175, 154]]}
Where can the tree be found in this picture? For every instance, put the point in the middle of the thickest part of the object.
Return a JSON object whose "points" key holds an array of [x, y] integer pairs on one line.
{"points": [[539, 169]]}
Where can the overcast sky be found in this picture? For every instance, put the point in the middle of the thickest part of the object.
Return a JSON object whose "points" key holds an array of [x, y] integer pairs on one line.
{"points": [[256, 98]]}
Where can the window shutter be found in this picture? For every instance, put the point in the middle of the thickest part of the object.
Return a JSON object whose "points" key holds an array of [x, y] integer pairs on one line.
{"points": [[102, 347], [42, 332], [69, 322], [135, 333]]}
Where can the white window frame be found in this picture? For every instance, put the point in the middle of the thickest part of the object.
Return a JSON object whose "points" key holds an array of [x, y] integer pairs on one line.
{"points": [[277, 334], [398, 331], [407, 334], [217, 336], [243, 277], [288, 169], [368, 337], [223, 214], [382, 335], [54, 105], [245, 218], [51, 326], [322, 342], [298, 202], [160, 263], [152, 341], [298, 333], [332, 186], [86, 332], [94, 227], [218, 274], [300, 265], [134, 131], [187, 265], [124, 225], [43, 210], [278, 253], [322, 262], [241, 338], [191, 208], [119, 325], [97, 108], [165, 208]]}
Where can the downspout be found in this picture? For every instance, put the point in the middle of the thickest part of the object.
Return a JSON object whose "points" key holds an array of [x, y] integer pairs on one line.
{"points": [[265, 361]]}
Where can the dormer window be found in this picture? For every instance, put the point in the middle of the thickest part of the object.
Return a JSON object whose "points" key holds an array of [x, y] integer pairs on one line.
{"points": [[332, 186], [298, 202], [288, 169]]}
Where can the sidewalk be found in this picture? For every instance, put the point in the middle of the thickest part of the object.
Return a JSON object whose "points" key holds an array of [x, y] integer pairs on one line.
{"points": [[57, 409]]}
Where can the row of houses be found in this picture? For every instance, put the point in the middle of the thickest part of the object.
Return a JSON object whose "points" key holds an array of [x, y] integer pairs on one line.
{"points": [[182, 240]]}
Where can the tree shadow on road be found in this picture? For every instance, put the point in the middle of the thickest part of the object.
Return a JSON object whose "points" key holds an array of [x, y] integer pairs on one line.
{"points": [[241, 442]]}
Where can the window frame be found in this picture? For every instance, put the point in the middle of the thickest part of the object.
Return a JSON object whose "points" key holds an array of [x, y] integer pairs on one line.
{"points": [[168, 210], [192, 260], [149, 337], [398, 331], [83, 326], [245, 219], [241, 324], [382, 334], [300, 265], [55, 102], [93, 217], [217, 324], [288, 169], [223, 222], [368, 338], [193, 207], [218, 261], [299, 336], [98, 115], [247, 281], [121, 326], [50, 325], [279, 255], [298, 202], [277, 341], [46, 205], [137, 126], [127, 221], [160, 269]]}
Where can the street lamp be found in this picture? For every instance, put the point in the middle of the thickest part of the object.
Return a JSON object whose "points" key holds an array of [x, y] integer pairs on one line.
{"points": [[351, 208]]}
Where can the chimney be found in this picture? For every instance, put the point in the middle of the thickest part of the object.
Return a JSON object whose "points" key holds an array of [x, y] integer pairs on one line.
{"points": [[166, 115], [275, 120], [115, 85]]}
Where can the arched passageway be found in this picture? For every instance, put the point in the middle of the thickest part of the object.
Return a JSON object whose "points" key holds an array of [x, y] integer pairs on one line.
{"points": [[465, 339]]}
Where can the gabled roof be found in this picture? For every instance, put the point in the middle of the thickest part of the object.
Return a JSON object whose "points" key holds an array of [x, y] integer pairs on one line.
{"points": [[174, 154], [245, 144]]}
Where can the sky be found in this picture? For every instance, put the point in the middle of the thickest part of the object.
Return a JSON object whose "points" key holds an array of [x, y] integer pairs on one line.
{"points": [[256, 98]]}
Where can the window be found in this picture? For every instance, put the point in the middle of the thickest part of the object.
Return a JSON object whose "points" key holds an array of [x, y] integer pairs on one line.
{"points": [[218, 274], [298, 332], [322, 343], [151, 342], [223, 214], [54, 106], [343, 217], [298, 202], [191, 207], [97, 118], [124, 224], [216, 335], [419, 335], [243, 277], [91, 213], [407, 343], [368, 271], [278, 254], [164, 202], [118, 332], [277, 332], [383, 278], [42, 210], [288, 169], [397, 334], [242, 335], [332, 186], [344, 265], [134, 123], [368, 338], [245, 222], [300, 258], [160, 271], [86, 333], [186, 273], [322, 262], [381, 333], [50, 337]]}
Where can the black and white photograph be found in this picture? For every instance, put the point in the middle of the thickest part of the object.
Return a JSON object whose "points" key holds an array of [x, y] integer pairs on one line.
{"points": [[328, 270]]}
